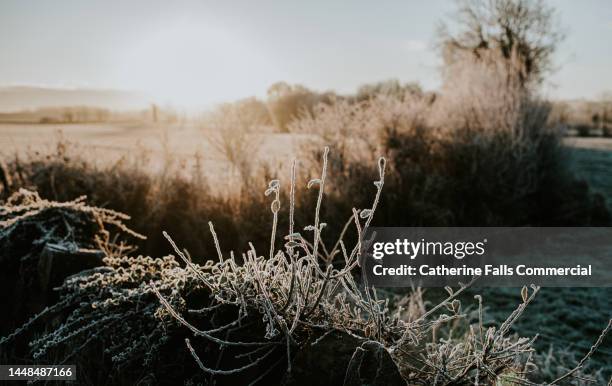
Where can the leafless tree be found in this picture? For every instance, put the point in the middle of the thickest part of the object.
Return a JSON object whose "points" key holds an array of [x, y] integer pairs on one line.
{"points": [[524, 32]]}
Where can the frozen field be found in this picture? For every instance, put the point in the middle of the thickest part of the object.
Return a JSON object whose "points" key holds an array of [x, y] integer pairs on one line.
{"points": [[153, 143], [592, 157]]}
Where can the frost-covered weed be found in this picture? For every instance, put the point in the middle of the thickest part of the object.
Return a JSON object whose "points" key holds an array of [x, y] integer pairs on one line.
{"points": [[35, 237], [279, 301], [57, 221]]}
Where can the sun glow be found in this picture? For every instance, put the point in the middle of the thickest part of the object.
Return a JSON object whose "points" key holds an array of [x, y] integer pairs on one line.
{"points": [[193, 65]]}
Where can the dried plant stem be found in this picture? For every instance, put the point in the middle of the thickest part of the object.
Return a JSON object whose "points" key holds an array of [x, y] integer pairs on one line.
{"points": [[588, 355]]}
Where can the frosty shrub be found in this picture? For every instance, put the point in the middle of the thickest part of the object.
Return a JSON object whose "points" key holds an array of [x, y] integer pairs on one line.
{"points": [[486, 94], [176, 199], [352, 129], [479, 153], [250, 316], [233, 131], [110, 323], [36, 236]]}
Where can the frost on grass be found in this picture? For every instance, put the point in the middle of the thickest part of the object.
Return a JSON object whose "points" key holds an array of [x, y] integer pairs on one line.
{"points": [[41, 242], [252, 313], [27, 217]]}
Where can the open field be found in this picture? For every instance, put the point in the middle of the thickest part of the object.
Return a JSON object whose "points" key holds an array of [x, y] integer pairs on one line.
{"points": [[591, 157], [183, 140], [152, 143]]}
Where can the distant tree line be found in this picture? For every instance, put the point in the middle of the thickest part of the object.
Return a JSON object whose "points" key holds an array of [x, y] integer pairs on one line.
{"points": [[586, 118], [287, 102], [90, 114]]}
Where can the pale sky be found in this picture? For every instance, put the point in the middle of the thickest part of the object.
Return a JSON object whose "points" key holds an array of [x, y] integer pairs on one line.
{"points": [[201, 52]]}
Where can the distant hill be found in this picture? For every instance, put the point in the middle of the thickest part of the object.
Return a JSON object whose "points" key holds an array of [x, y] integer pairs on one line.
{"points": [[20, 98]]}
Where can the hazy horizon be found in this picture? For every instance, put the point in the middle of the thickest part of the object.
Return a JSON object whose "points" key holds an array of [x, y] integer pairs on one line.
{"points": [[195, 54]]}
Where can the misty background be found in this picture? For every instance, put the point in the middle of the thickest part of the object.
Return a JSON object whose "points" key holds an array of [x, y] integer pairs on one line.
{"points": [[194, 54]]}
